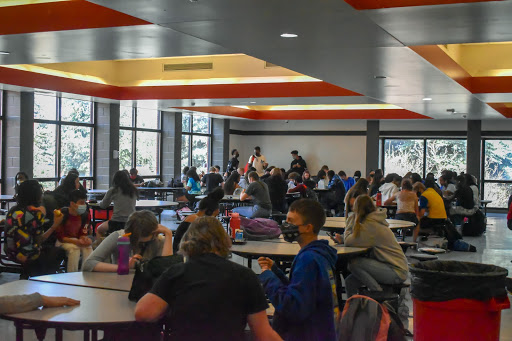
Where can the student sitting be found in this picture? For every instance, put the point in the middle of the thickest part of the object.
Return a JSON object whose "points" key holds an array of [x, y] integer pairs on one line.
{"points": [[212, 180], [348, 182], [208, 206], [465, 205], [258, 192], [336, 194], [231, 183], [367, 227], [124, 194], [361, 187], [73, 231], [306, 180], [136, 179], [306, 304], [407, 205], [18, 180], [431, 206], [298, 187], [24, 233], [145, 243], [208, 297], [321, 179], [390, 186], [61, 194], [193, 185], [277, 189], [509, 215], [243, 181]]}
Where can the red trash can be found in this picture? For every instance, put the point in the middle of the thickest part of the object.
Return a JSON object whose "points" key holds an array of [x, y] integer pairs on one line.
{"points": [[457, 301], [460, 319]]}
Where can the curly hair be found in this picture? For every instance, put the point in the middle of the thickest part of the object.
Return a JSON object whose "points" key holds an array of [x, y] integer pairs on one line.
{"points": [[205, 235]]}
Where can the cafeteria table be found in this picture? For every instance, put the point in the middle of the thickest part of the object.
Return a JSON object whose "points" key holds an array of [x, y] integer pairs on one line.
{"points": [[161, 192], [7, 199], [99, 309], [98, 280], [338, 224], [139, 205], [485, 203]]}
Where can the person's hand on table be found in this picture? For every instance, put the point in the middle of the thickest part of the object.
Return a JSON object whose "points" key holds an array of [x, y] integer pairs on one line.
{"points": [[133, 260], [51, 301], [265, 263]]}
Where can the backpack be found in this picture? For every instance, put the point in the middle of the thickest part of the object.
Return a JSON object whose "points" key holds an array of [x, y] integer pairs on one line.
{"points": [[259, 228], [364, 319], [147, 272], [475, 226], [310, 194]]}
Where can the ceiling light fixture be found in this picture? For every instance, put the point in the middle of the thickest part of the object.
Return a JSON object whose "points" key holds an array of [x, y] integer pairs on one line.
{"points": [[4, 52], [379, 77], [427, 99], [252, 102], [289, 35]]}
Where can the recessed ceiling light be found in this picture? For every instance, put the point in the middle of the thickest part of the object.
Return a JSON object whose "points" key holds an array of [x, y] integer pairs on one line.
{"points": [[427, 99], [379, 77], [289, 35], [4, 52], [252, 102]]}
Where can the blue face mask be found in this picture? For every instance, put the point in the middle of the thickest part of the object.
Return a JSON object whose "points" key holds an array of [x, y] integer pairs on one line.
{"points": [[81, 209]]}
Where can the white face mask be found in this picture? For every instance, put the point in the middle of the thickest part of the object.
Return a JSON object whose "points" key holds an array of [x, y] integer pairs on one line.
{"points": [[81, 209]]}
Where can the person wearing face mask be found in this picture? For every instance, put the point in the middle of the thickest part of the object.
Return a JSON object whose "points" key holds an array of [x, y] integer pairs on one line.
{"points": [[61, 194], [18, 180], [25, 235], [73, 231], [258, 161], [135, 177], [146, 243], [306, 303]]}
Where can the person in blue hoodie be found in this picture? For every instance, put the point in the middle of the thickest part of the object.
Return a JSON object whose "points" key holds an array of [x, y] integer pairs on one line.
{"points": [[306, 304], [336, 194]]}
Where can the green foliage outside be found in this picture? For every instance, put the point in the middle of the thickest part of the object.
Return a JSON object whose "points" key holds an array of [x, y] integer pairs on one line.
{"points": [[200, 144]]}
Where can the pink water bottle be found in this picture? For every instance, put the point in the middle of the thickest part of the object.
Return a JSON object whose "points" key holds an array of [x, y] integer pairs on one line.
{"points": [[123, 248]]}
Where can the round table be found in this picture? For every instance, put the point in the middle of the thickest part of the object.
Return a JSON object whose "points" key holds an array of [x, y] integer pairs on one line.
{"points": [[140, 205], [98, 280], [99, 309], [338, 224]]}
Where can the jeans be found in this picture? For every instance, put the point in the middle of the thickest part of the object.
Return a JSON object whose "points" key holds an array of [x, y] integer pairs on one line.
{"points": [[369, 272], [253, 211]]}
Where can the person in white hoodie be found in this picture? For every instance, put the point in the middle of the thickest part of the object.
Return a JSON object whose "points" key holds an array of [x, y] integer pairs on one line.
{"points": [[367, 227], [390, 186]]}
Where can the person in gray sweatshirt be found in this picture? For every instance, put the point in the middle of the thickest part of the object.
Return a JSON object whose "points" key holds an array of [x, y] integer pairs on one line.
{"points": [[387, 264]]}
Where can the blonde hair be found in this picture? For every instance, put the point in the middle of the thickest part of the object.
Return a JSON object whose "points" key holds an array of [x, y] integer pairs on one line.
{"points": [[363, 206], [205, 235]]}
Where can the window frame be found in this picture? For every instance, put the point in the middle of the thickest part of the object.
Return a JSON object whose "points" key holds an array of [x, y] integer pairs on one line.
{"points": [[58, 122], [134, 129], [190, 134], [483, 181]]}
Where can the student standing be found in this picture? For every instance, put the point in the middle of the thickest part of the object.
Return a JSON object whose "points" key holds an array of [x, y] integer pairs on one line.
{"points": [[298, 164], [306, 303], [258, 161]]}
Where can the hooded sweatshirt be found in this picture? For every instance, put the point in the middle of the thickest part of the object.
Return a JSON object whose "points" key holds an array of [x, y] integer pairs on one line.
{"points": [[376, 234], [388, 190], [306, 305]]}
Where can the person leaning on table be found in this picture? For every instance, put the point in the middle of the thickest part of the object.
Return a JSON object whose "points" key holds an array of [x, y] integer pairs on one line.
{"points": [[208, 297], [23, 303]]}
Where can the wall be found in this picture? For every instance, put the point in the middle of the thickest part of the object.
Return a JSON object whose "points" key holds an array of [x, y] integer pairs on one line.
{"points": [[339, 152]]}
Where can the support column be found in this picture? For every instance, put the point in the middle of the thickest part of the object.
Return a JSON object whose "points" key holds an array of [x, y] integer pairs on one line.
{"points": [[220, 143], [18, 110], [107, 140], [474, 148], [168, 149], [178, 118], [372, 145]]}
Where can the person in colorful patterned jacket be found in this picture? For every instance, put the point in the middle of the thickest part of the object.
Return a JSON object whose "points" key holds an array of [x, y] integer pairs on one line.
{"points": [[24, 233]]}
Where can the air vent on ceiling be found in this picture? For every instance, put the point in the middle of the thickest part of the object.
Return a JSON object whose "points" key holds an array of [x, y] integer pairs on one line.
{"points": [[269, 64], [188, 67]]}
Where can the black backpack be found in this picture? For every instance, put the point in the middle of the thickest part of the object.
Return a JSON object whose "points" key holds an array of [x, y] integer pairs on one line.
{"points": [[476, 225]]}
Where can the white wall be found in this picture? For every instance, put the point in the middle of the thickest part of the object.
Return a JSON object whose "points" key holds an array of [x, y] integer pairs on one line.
{"points": [[497, 125], [330, 125]]}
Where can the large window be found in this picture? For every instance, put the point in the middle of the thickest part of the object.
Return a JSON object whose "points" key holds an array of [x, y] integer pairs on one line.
{"points": [[196, 142], [63, 139], [139, 140], [424, 156], [497, 171]]}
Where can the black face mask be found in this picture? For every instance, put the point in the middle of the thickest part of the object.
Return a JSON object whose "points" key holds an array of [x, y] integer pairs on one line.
{"points": [[290, 232]]}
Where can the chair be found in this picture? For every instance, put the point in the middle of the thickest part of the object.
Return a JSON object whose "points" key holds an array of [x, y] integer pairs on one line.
{"points": [[7, 264]]}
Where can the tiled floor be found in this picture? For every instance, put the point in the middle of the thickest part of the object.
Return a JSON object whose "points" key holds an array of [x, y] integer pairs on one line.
{"points": [[495, 247]]}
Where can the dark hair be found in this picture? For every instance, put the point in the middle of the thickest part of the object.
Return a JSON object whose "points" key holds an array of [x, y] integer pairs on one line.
{"points": [[295, 176], [469, 180], [321, 174], [294, 152], [406, 184], [16, 179], [324, 167], [389, 178], [140, 224], [77, 195], [257, 148], [379, 171], [210, 203], [230, 184], [125, 171], [133, 171], [193, 174], [217, 167], [357, 174], [330, 174], [342, 173], [68, 184], [29, 194], [415, 177], [311, 212], [233, 151], [185, 170], [73, 171], [254, 176], [430, 183], [377, 179], [123, 183]]}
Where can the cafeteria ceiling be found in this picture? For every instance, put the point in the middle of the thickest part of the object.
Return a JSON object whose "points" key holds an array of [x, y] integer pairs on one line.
{"points": [[352, 59]]}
